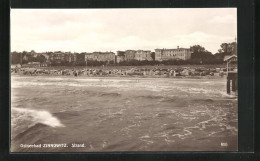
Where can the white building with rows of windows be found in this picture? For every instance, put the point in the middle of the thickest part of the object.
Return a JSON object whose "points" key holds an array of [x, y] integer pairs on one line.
{"points": [[172, 54]]}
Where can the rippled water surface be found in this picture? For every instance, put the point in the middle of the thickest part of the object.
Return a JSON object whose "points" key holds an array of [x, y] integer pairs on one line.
{"points": [[122, 114]]}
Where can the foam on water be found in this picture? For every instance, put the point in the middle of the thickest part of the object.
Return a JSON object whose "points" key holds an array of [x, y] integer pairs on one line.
{"points": [[35, 117], [149, 114]]}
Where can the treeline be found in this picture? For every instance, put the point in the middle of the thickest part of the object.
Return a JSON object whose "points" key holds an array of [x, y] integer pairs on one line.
{"points": [[17, 58]]}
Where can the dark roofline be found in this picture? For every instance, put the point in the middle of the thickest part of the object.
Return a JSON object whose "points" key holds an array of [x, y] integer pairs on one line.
{"points": [[174, 49], [96, 52]]}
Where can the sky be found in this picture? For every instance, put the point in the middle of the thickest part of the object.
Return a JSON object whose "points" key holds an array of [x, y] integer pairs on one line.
{"points": [[89, 30]]}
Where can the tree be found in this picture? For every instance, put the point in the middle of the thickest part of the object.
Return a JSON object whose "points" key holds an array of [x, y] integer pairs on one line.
{"points": [[15, 57], [226, 49], [40, 58], [80, 59], [197, 49], [201, 56]]}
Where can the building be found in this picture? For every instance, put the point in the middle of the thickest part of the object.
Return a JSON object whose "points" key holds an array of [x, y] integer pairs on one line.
{"points": [[47, 57], [130, 55], [120, 57], [100, 56], [57, 57], [32, 64], [142, 55], [172, 54], [69, 57], [229, 59]]}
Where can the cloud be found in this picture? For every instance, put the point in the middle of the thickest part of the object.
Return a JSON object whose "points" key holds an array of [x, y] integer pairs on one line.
{"points": [[195, 37], [120, 29], [226, 19]]}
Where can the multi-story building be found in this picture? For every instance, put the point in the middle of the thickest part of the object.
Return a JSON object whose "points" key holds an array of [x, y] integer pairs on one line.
{"points": [[172, 54], [129, 55], [100, 56], [120, 57], [142, 55], [57, 57], [69, 57]]}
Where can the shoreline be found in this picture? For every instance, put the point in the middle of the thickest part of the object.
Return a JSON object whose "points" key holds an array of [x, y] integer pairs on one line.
{"points": [[181, 72], [121, 77]]}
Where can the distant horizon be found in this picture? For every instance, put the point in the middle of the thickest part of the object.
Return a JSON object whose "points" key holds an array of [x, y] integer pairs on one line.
{"points": [[111, 30]]}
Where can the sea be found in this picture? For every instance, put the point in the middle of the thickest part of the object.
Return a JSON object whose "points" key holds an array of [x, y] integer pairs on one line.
{"points": [[101, 114]]}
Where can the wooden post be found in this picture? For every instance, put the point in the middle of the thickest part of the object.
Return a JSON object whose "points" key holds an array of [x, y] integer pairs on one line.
{"points": [[233, 84], [227, 67], [228, 85], [236, 84]]}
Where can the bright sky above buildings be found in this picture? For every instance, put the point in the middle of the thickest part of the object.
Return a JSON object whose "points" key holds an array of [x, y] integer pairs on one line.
{"points": [[88, 30]]}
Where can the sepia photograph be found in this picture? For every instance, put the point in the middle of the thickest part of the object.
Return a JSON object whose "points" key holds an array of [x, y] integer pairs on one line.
{"points": [[123, 80]]}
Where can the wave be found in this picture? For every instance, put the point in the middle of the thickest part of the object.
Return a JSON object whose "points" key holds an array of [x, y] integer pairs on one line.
{"points": [[30, 132], [203, 100], [111, 94], [64, 114], [151, 97], [171, 99], [34, 117]]}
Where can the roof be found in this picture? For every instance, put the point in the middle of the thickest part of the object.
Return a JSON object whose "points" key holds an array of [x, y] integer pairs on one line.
{"points": [[94, 53], [130, 50], [228, 57], [120, 54], [144, 50], [174, 49]]}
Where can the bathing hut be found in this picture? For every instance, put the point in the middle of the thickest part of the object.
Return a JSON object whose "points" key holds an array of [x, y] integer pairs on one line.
{"points": [[231, 74]]}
